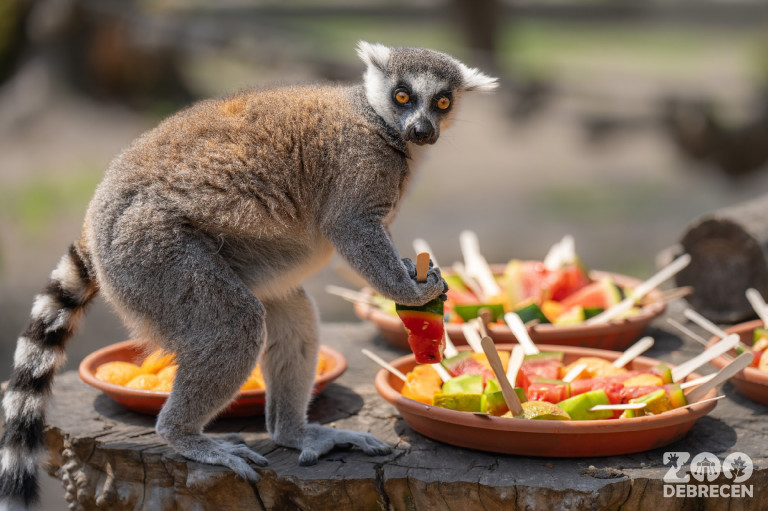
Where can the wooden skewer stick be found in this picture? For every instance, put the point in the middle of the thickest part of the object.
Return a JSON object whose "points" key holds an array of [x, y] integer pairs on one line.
{"points": [[697, 381], [422, 266], [450, 349], [350, 295], [476, 265], [733, 367], [716, 398], [634, 351], [704, 323], [758, 303], [562, 252], [709, 326], [668, 295], [687, 331], [714, 351], [521, 333], [444, 374], [459, 269], [472, 336], [641, 290], [510, 397], [574, 372], [386, 365], [619, 406], [421, 245], [516, 359], [485, 316], [480, 325]]}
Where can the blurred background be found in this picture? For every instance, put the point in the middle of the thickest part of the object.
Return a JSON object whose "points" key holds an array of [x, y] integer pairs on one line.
{"points": [[619, 122]]}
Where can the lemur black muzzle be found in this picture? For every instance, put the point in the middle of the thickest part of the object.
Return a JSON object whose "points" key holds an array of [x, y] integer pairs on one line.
{"points": [[421, 133]]}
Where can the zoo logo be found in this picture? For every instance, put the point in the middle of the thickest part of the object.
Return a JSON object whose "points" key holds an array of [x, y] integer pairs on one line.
{"points": [[705, 468]]}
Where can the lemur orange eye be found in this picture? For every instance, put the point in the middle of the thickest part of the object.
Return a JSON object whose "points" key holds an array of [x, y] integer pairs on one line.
{"points": [[443, 103], [402, 97]]}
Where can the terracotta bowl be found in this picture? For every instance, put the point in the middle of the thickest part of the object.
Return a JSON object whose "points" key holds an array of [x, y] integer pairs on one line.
{"points": [[751, 382], [615, 335], [553, 439], [247, 402]]}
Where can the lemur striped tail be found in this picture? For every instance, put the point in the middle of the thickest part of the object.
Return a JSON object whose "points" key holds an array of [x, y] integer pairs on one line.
{"points": [[39, 352]]}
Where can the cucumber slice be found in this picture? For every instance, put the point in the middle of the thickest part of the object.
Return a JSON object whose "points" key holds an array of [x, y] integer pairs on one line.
{"points": [[467, 312], [532, 312], [464, 384]]}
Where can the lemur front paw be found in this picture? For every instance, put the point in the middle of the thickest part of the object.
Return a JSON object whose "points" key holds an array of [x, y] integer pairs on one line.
{"points": [[214, 451], [434, 287], [315, 440]]}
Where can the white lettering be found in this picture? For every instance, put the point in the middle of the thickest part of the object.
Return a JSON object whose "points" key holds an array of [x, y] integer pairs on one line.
{"points": [[709, 491]]}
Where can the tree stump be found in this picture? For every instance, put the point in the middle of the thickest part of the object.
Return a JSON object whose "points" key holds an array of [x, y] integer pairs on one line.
{"points": [[110, 458], [729, 254]]}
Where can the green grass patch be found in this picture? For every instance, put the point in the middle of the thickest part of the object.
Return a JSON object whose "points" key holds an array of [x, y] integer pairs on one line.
{"points": [[602, 204], [35, 204], [544, 46], [336, 38]]}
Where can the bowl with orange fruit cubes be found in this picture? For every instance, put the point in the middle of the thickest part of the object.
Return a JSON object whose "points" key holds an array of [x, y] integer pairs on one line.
{"points": [[141, 379]]}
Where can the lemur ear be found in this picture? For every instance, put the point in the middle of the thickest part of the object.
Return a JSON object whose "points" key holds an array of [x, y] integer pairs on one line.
{"points": [[376, 55], [474, 80]]}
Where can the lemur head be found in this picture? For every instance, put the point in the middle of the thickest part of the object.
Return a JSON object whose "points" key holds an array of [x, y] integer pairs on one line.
{"points": [[415, 90]]}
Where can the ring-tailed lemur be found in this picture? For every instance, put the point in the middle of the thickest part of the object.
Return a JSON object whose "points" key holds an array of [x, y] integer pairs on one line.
{"points": [[200, 236]]}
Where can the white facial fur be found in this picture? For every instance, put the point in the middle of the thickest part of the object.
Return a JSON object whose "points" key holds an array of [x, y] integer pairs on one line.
{"points": [[476, 81], [379, 86]]}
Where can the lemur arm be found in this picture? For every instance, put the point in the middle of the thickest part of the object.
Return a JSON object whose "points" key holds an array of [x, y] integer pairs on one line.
{"points": [[356, 228]]}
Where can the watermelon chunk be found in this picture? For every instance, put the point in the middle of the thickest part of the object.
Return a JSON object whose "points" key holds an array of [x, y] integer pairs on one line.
{"points": [[554, 391], [425, 330], [458, 293], [525, 280], [603, 293], [568, 280], [466, 363], [546, 364], [613, 389]]}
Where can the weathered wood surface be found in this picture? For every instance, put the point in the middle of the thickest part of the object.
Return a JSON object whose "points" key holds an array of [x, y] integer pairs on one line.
{"points": [[110, 458], [729, 251]]}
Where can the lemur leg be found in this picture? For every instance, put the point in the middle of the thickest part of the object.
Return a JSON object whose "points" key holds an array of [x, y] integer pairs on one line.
{"points": [[289, 363], [217, 360], [192, 303]]}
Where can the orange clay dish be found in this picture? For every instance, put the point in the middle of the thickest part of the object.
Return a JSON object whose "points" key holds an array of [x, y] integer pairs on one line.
{"points": [[546, 438], [143, 382]]}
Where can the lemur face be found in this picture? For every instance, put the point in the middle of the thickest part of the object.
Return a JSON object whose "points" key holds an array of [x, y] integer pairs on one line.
{"points": [[420, 105], [414, 90]]}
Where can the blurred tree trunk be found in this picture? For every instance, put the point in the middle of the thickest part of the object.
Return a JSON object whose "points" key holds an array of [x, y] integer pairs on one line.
{"points": [[479, 20]]}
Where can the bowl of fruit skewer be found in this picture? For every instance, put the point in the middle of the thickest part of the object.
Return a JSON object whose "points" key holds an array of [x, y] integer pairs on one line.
{"points": [[558, 298], [663, 420], [753, 381], [141, 380]]}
